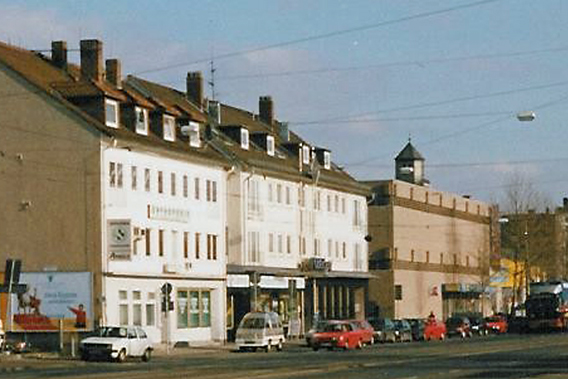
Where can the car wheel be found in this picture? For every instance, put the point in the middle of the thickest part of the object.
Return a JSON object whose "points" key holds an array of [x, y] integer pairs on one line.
{"points": [[279, 346], [315, 346], [147, 355], [121, 356]]}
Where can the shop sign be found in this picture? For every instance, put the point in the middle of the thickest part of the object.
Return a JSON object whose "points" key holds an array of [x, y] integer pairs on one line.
{"points": [[238, 281]]}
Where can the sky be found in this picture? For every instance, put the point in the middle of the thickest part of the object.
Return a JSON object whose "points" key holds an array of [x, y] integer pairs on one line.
{"points": [[359, 77]]}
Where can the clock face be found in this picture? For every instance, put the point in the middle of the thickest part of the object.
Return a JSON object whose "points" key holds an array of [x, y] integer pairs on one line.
{"points": [[119, 233]]}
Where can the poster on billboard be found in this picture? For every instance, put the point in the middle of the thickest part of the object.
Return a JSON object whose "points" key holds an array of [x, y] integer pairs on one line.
{"points": [[52, 297]]}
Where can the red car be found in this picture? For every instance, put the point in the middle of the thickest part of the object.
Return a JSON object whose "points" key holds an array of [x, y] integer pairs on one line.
{"points": [[435, 330], [496, 324], [367, 331], [341, 334]]}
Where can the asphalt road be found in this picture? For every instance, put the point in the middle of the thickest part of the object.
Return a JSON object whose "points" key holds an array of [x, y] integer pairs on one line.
{"points": [[512, 356]]}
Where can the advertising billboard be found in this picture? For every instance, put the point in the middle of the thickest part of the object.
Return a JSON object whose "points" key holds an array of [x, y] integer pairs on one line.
{"points": [[52, 297]]}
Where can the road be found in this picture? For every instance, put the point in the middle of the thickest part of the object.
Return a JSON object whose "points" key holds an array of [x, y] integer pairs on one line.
{"points": [[513, 356]]}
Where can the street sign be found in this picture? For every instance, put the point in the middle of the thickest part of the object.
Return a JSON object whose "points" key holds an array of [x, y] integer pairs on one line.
{"points": [[167, 288]]}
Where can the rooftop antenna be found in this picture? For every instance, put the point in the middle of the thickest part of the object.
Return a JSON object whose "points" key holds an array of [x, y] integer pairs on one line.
{"points": [[211, 81]]}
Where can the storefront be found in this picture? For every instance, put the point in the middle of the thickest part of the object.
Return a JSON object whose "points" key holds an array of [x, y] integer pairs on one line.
{"points": [[268, 293], [461, 298]]}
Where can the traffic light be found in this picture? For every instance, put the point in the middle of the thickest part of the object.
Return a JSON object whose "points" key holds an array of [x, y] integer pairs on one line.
{"points": [[167, 303]]}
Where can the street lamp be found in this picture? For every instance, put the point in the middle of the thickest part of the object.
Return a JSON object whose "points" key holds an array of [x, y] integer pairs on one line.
{"points": [[526, 116]]}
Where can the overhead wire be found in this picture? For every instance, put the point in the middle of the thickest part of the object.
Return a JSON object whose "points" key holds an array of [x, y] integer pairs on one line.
{"points": [[323, 35]]}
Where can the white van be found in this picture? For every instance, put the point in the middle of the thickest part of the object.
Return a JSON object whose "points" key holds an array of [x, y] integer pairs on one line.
{"points": [[260, 330]]}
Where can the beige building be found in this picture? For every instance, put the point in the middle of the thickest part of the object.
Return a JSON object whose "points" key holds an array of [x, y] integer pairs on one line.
{"points": [[429, 250]]}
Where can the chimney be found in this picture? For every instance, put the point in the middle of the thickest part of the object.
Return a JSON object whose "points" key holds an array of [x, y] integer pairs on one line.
{"points": [[91, 59], [59, 53], [114, 72], [194, 85], [565, 203], [266, 109]]}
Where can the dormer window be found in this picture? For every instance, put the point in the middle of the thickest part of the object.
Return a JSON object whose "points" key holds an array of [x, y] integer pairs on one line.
{"points": [[111, 113], [169, 128], [270, 145], [244, 138], [305, 154], [194, 137], [327, 160], [141, 121]]}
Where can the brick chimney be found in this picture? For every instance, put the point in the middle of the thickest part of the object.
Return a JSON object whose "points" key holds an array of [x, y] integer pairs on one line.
{"points": [[266, 109], [91, 59], [59, 53], [194, 85], [114, 72]]}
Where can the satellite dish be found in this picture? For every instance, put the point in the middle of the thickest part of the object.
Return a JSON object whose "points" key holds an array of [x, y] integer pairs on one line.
{"points": [[185, 130]]}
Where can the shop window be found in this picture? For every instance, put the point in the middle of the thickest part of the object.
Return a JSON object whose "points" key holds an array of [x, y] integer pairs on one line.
{"points": [[194, 309], [151, 309]]}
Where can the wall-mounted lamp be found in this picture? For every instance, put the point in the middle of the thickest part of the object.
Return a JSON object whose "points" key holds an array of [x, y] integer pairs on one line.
{"points": [[25, 204]]}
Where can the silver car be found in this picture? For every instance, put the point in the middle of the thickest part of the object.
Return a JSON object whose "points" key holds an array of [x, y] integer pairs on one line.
{"points": [[260, 330]]}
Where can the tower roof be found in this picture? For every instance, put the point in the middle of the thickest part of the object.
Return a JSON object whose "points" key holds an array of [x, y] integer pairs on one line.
{"points": [[409, 153]]}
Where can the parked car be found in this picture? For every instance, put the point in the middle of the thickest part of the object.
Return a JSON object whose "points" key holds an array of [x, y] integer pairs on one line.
{"points": [[260, 330], [417, 325], [496, 324], [458, 326], [339, 334], [403, 331], [2, 336], [366, 329], [384, 329], [477, 325], [117, 343], [435, 330]]}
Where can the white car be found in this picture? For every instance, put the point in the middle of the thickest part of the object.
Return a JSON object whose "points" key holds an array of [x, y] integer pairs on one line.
{"points": [[260, 330], [2, 336], [117, 343]]}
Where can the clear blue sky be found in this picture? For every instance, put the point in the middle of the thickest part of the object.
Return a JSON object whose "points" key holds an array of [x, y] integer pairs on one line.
{"points": [[407, 75]]}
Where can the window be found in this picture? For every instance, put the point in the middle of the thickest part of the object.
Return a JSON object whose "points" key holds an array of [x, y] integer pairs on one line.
{"points": [[111, 113], [270, 242], [213, 191], [134, 177], [356, 213], [194, 138], [270, 190], [301, 196], [253, 246], [327, 160], [336, 249], [169, 128], [212, 247], [398, 292], [196, 188], [329, 248], [344, 250], [112, 174], [161, 242], [278, 193], [123, 307], [329, 203], [244, 138], [287, 195], [336, 207], [197, 238], [141, 121], [160, 182], [316, 247], [306, 154], [173, 184], [253, 203], [280, 244], [147, 235], [151, 309], [194, 308], [343, 205], [147, 179], [270, 145], [411, 255], [186, 245], [185, 186], [288, 244], [137, 308], [208, 190], [119, 175]]}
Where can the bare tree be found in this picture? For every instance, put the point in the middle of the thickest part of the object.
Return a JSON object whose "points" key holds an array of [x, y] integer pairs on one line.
{"points": [[522, 196]]}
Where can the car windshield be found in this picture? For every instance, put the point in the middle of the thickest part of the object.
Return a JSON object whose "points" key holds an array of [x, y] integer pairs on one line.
{"points": [[253, 323], [113, 332]]}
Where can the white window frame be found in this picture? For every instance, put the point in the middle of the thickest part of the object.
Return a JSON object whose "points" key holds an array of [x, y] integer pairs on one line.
{"points": [[109, 122], [141, 126], [305, 154], [270, 146], [327, 160], [244, 139], [169, 128], [194, 136]]}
